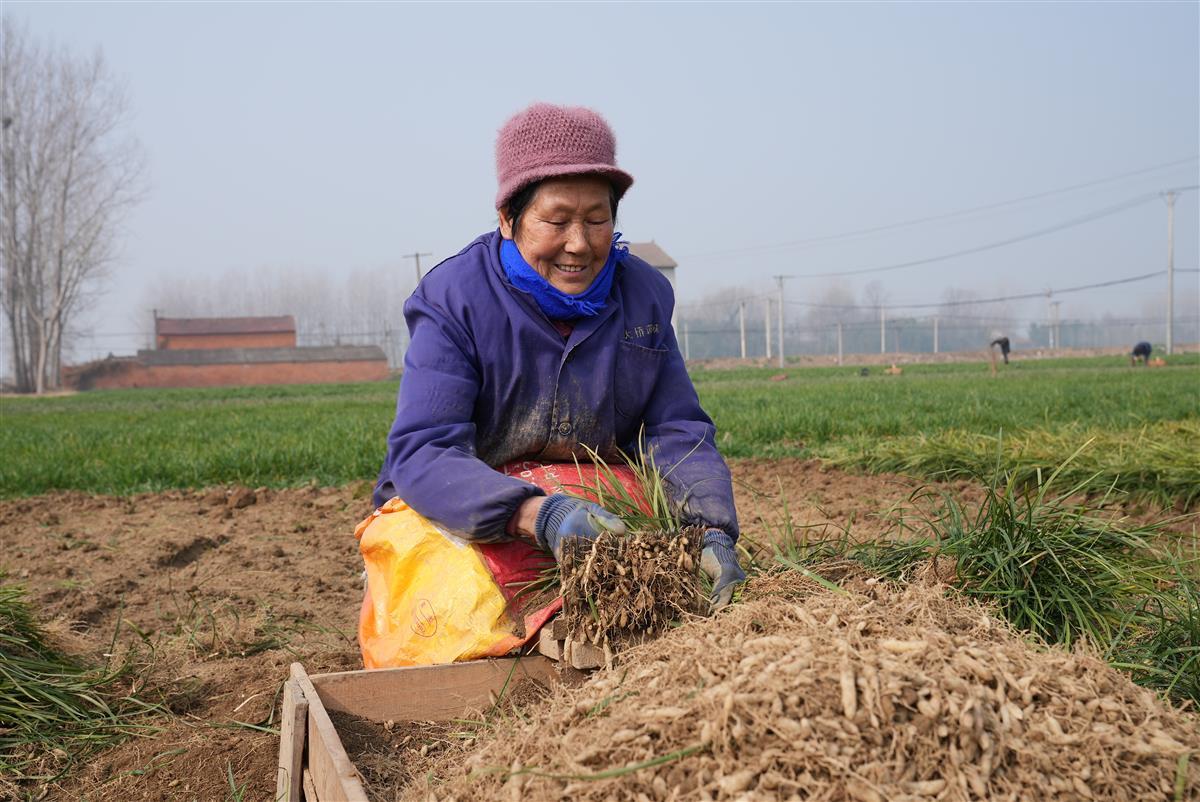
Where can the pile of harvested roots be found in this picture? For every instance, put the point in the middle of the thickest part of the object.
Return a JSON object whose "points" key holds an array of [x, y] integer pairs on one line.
{"points": [[804, 693]]}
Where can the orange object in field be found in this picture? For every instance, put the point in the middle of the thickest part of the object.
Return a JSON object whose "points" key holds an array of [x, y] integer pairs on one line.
{"points": [[433, 597]]}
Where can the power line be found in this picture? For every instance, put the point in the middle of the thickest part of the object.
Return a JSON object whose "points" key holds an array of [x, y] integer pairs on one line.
{"points": [[1041, 232], [1019, 297], [966, 302], [937, 217], [1042, 294]]}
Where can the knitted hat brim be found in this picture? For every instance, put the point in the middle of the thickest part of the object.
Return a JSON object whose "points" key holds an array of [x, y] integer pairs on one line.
{"points": [[620, 179]]}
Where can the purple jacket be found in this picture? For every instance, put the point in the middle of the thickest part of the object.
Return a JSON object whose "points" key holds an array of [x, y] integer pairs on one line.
{"points": [[488, 379]]}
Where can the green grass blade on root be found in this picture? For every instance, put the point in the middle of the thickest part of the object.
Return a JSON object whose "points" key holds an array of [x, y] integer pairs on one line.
{"points": [[612, 494]]}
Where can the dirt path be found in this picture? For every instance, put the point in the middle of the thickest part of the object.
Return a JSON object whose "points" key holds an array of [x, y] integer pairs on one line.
{"points": [[222, 597]]}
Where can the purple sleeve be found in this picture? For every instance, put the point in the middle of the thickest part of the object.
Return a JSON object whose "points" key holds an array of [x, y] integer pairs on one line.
{"points": [[431, 461], [681, 438]]}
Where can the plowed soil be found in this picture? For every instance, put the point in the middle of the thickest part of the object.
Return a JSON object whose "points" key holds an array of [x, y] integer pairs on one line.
{"points": [[219, 590]]}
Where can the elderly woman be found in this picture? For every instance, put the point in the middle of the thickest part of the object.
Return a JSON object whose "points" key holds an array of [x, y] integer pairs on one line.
{"points": [[542, 337]]}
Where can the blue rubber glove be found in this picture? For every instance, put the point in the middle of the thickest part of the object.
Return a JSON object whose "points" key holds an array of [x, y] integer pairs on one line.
{"points": [[719, 561], [562, 517]]}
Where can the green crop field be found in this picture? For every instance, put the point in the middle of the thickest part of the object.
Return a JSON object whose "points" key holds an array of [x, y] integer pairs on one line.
{"points": [[932, 419], [1141, 427]]}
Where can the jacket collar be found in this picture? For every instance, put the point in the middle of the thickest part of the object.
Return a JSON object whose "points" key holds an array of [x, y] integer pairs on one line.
{"points": [[584, 327]]}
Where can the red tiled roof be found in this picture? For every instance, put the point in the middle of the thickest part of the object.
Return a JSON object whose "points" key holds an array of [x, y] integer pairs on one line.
{"points": [[224, 325]]}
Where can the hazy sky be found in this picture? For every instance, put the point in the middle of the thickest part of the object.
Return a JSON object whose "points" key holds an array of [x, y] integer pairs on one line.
{"points": [[335, 137]]}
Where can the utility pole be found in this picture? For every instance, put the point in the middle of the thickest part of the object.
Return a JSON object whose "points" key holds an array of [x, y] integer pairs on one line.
{"points": [[882, 329], [1055, 342], [742, 325], [417, 257], [935, 334], [839, 343], [767, 322], [1170, 272], [779, 283], [686, 349]]}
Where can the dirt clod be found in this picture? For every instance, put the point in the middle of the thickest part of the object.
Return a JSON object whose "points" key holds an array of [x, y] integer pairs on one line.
{"points": [[240, 498]]}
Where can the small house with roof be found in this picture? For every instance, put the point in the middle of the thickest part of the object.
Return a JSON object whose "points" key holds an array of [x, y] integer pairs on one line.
{"points": [[652, 254], [177, 333]]}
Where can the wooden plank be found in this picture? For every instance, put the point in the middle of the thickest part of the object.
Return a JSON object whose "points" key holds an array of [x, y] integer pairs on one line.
{"points": [[292, 729], [310, 790], [334, 776], [426, 693], [548, 645]]}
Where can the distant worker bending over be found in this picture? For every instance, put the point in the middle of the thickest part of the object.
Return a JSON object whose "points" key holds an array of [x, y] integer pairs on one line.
{"points": [[1141, 351], [1004, 347]]}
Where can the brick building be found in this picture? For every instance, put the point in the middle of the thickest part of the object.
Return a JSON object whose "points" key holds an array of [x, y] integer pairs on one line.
{"points": [[175, 333], [216, 352]]}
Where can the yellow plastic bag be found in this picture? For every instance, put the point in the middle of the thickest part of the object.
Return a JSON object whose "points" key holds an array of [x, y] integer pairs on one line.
{"points": [[430, 597]]}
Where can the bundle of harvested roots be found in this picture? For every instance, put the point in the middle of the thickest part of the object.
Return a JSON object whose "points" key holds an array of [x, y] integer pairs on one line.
{"points": [[623, 588]]}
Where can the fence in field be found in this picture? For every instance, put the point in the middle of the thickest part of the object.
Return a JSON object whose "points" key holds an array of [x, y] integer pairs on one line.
{"points": [[704, 335], [710, 337]]}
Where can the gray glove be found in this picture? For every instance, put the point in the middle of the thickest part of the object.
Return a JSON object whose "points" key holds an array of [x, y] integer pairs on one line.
{"points": [[719, 561], [562, 517]]}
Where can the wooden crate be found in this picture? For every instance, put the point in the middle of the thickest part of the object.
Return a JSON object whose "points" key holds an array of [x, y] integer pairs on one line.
{"points": [[313, 765]]}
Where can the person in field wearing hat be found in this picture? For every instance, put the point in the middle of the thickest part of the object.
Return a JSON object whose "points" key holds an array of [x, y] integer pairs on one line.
{"points": [[544, 336]]}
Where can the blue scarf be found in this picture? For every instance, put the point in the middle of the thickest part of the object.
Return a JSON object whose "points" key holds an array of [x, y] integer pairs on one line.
{"points": [[556, 304]]}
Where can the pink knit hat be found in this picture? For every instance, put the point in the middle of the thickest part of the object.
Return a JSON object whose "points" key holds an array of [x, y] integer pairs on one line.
{"points": [[546, 140]]}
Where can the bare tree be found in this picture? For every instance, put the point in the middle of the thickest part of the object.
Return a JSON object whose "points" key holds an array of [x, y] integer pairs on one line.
{"points": [[69, 174]]}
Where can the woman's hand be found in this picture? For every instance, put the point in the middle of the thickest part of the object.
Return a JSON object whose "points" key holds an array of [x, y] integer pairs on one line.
{"points": [[719, 561], [561, 517]]}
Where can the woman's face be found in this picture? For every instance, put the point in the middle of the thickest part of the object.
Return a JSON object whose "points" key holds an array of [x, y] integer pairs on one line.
{"points": [[566, 231]]}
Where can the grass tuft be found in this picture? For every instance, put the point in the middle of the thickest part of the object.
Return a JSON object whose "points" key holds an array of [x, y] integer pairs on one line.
{"points": [[54, 710], [1051, 565], [1054, 568]]}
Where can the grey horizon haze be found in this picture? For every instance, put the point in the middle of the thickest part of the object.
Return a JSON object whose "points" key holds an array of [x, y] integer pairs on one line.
{"points": [[328, 139]]}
